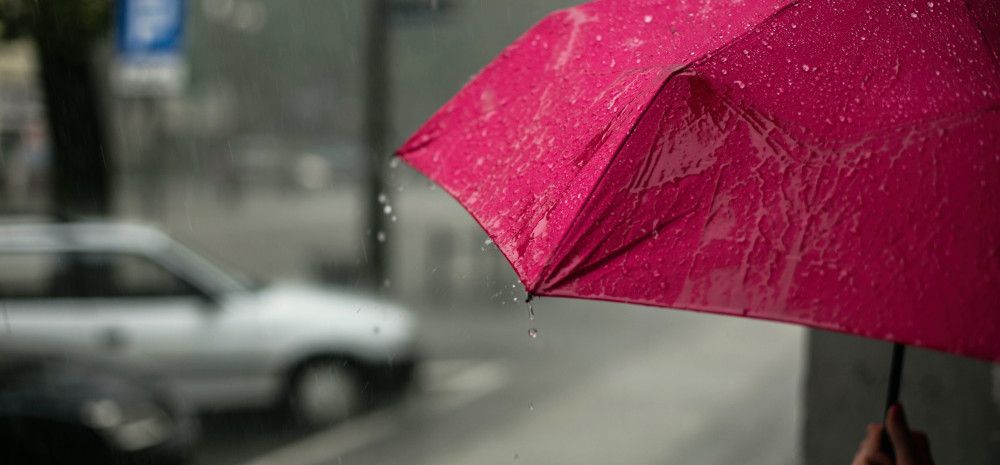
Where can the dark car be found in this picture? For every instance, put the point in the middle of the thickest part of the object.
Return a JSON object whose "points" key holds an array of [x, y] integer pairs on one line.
{"points": [[58, 409]]}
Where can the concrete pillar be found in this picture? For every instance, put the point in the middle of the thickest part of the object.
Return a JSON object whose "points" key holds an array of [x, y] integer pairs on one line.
{"points": [[953, 399]]}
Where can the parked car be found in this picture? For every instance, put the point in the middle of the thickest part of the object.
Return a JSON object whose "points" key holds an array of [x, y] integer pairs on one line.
{"points": [[57, 409], [134, 293]]}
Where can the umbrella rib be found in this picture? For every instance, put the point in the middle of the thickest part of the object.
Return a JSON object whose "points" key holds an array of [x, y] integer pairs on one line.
{"points": [[547, 271], [556, 257], [583, 270]]}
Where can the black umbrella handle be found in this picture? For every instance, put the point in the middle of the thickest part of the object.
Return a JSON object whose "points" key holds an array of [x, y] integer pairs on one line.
{"points": [[892, 396]]}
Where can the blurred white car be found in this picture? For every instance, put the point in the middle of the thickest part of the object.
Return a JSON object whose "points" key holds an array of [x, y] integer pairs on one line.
{"points": [[131, 292]]}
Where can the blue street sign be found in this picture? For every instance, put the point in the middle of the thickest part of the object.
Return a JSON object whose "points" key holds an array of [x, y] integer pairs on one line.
{"points": [[149, 39], [150, 26]]}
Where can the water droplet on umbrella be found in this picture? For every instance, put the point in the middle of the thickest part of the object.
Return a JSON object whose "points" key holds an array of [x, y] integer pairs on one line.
{"points": [[647, 19], [913, 15]]}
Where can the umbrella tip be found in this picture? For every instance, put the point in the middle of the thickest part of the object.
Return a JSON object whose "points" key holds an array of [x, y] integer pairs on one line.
{"points": [[529, 298]]}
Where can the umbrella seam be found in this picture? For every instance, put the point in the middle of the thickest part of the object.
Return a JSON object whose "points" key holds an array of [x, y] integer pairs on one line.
{"points": [[546, 271]]}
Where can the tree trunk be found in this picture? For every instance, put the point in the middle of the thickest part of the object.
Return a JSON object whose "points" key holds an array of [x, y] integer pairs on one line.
{"points": [[81, 166]]}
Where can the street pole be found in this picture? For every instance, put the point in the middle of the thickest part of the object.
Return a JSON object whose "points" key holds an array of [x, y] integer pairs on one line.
{"points": [[375, 133]]}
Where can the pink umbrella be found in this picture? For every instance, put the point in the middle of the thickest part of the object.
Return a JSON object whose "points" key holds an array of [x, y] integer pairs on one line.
{"points": [[834, 164]]}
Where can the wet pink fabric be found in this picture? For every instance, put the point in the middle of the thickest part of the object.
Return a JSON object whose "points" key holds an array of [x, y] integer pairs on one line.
{"points": [[829, 163]]}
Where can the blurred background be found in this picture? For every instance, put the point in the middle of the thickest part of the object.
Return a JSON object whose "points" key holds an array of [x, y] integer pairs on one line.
{"points": [[259, 134]]}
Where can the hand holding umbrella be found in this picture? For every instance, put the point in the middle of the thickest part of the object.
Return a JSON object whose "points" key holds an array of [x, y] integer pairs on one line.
{"points": [[908, 447]]}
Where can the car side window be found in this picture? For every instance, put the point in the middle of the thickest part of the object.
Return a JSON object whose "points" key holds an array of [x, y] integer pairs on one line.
{"points": [[128, 275], [36, 275]]}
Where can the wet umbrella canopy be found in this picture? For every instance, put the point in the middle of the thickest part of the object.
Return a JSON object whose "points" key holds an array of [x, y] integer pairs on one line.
{"points": [[829, 163]]}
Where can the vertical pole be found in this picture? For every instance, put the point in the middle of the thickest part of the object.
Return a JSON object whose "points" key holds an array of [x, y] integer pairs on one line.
{"points": [[375, 131], [892, 394]]}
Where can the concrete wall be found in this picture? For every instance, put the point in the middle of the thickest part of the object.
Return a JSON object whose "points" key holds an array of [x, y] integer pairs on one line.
{"points": [[951, 398]]}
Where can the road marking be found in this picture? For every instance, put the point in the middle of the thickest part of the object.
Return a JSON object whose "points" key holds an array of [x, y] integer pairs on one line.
{"points": [[444, 385]]}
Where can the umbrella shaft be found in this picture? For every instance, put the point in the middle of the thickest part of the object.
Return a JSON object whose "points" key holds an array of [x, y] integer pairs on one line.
{"points": [[892, 395]]}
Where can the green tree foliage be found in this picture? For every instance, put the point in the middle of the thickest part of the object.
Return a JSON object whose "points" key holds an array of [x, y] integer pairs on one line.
{"points": [[70, 25]]}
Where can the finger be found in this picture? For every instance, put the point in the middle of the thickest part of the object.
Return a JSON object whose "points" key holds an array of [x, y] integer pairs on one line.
{"points": [[877, 458], [899, 432], [870, 444], [922, 447], [868, 449]]}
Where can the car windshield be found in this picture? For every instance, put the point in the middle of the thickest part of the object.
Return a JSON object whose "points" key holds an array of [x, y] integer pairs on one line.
{"points": [[220, 278]]}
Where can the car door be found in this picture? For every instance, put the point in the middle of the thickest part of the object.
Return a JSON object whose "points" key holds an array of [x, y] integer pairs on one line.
{"points": [[150, 315], [42, 303]]}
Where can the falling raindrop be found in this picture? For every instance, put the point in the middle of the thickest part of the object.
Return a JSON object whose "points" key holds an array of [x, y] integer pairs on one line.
{"points": [[531, 406], [533, 333], [394, 163], [380, 236], [387, 209], [382, 198]]}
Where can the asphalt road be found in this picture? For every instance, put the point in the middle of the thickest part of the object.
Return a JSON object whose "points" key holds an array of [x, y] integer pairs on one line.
{"points": [[602, 383]]}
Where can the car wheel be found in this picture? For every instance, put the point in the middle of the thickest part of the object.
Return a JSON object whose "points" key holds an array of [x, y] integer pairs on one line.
{"points": [[323, 392]]}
